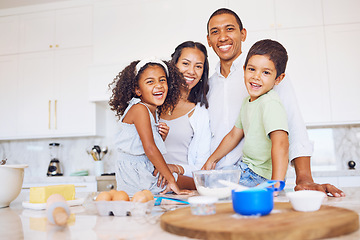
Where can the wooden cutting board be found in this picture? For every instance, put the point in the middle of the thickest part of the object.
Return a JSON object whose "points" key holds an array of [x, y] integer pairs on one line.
{"points": [[282, 223]]}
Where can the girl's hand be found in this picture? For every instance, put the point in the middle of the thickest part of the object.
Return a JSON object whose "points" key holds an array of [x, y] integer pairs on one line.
{"points": [[173, 169], [163, 130], [209, 165], [175, 188]]}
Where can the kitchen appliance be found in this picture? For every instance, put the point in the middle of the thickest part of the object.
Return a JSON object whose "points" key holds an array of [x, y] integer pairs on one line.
{"points": [[54, 168]]}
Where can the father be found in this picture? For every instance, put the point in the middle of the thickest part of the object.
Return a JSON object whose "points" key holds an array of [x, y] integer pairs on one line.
{"points": [[227, 90]]}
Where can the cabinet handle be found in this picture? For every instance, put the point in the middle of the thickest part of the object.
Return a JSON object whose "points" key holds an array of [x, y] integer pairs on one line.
{"points": [[49, 114], [51, 46], [55, 114], [57, 45]]}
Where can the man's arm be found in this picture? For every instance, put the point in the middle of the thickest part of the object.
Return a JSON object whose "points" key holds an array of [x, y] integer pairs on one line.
{"points": [[304, 180]]}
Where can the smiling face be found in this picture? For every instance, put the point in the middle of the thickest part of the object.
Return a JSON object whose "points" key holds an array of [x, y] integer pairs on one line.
{"points": [[153, 87], [191, 65], [260, 76], [225, 37]]}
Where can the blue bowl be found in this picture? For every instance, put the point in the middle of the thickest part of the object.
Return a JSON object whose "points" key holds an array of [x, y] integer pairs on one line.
{"points": [[253, 201]]}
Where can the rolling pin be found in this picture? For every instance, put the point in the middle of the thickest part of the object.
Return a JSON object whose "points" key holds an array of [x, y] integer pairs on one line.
{"points": [[57, 210]]}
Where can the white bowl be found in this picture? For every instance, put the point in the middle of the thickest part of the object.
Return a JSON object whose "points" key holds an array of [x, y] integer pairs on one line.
{"points": [[11, 181], [207, 182], [306, 200]]}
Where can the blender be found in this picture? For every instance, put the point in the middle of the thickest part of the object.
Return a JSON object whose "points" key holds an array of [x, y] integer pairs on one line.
{"points": [[54, 168]]}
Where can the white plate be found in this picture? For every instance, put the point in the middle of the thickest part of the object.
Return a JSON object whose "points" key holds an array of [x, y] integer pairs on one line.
{"points": [[42, 206]]}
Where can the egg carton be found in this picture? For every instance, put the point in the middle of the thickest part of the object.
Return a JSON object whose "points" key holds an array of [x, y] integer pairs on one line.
{"points": [[124, 208]]}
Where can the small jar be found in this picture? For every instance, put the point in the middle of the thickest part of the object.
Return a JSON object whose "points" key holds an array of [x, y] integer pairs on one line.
{"points": [[202, 205]]}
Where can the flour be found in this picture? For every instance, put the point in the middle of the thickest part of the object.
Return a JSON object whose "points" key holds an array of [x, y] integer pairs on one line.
{"points": [[220, 193]]}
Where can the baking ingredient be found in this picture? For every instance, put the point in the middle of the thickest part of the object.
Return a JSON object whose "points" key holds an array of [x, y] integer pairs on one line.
{"points": [[104, 196], [112, 192], [41, 194], [57, 210], [120, 196], [139, 197], [215, 192], [148, 194]]}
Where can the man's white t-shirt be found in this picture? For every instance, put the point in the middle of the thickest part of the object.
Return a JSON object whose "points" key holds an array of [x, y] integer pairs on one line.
{"points": [[225, 97]]}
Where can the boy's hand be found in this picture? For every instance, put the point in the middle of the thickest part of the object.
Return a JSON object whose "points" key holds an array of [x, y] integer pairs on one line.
{"points": [[209, 165], [175, 188], [163, 130]]}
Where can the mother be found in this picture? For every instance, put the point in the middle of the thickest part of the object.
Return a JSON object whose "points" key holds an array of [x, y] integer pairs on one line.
{"points": [[189, 139]]}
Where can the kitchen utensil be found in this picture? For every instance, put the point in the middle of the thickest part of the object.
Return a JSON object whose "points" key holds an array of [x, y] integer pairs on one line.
{"points": [[94, 154], [98, 151], [284, 223], [257, 200], [54, 168], [104, 151], [159, 199], [11, 178], [207, 182], [306, 200], [3, 162], [238, 187]]}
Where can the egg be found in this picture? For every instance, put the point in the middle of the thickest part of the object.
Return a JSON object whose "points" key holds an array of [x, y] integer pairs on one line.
{"points": [[112, 192], [120, 196], [139, 197], [148, 194], [103, 196]]}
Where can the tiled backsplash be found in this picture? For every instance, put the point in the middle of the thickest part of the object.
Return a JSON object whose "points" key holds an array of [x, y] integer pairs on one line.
{"points": [[333, 147]]}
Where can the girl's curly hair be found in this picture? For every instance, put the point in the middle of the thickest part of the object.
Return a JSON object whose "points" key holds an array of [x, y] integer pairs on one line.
{"points": [[124, 85]]}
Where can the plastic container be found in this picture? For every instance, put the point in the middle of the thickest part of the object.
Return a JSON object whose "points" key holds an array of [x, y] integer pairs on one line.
{"points": [[255, 201], [202, 205], [124, 208], [306, 200]]}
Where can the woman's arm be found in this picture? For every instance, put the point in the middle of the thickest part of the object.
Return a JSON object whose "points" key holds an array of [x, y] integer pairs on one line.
{"points": [[279, 154]]}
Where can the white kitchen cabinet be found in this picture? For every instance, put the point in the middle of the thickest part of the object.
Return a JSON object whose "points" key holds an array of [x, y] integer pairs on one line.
{"points": [[53, 94], [125, 31], [9, 29], [341, 12], [8, 96], [59, 29], [307, 69], [343, 60]]}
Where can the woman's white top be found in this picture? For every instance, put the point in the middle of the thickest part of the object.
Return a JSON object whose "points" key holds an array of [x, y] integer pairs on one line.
{"points": [[188, 141]]}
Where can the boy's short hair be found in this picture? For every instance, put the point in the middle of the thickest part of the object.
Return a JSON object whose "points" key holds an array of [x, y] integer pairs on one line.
{"points": [[225, 11], [274, 50]]}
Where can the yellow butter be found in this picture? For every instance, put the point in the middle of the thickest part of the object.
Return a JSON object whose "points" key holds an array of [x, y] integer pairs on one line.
{"points": [[41, 194]]}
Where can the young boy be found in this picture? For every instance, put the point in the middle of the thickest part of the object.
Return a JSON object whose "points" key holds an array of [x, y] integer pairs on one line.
{"points": [[262, 118]]}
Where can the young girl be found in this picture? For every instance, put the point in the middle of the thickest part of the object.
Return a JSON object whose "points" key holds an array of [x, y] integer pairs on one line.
{"points": [[141, 91]]}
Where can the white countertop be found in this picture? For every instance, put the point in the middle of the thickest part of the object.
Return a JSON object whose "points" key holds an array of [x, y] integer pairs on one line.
{"points": [[19, 223]]}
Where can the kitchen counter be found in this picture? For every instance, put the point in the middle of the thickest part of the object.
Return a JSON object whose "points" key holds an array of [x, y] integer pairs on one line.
{"points": [[19, 223]]}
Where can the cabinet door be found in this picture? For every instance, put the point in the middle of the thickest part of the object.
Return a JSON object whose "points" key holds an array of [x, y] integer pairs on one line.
{"points": [[126, 30], [75, 114], [8, 95], [342, 42], [307, 67], [73, 27], [255, 15], [37, 31], [295, 13], [9, 29], [35, 111], [340, 12]]}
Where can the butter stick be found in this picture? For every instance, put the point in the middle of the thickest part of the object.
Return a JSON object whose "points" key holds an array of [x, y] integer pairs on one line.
{"points": [[41, 194]]}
